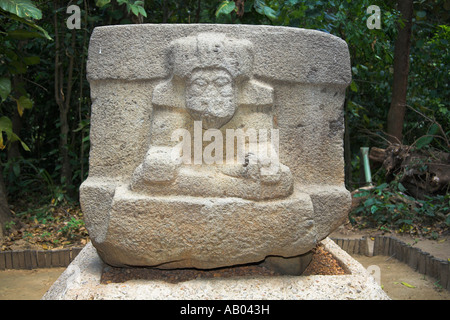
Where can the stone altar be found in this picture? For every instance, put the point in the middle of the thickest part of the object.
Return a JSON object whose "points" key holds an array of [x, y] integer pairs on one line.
{"points": [[214, 145]]}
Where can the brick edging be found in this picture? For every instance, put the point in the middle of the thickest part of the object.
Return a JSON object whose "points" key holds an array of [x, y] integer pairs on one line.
{"points": [[353, 246], [419, 260], [33, 259]]}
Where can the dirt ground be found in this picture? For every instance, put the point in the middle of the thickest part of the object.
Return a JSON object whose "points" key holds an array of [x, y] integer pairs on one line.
{"points": [[400, 282], [27, 284], [32, 284], [397, 277]]}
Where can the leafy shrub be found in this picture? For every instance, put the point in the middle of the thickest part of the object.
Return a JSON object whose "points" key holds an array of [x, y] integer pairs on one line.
{"points": [[388, 207], [72, 227]]}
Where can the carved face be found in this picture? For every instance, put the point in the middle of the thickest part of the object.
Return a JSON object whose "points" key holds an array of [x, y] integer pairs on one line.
{"points": [[210, 97]]}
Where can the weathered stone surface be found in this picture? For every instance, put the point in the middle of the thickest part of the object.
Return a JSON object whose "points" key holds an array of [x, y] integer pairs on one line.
{"points": [[139, 52], [168, 99], [293, 266], [82, 281]]}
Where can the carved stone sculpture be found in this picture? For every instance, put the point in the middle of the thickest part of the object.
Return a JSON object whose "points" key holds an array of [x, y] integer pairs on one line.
{"points": [[214, 145], [213, 72]]}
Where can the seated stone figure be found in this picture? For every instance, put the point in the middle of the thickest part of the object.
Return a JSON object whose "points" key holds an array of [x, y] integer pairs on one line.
{"points": [[214, 73], [214, 145]]}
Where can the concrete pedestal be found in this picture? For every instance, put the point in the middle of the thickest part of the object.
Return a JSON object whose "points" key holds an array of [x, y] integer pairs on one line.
{"points": [[81, 281]]}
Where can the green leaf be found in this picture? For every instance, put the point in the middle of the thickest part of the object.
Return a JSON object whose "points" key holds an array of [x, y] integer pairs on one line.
{"points": [[21, 8], [401, 187], [6, 125], [381, 186], [366, 119], [407, 284], [226, 7], [31, 60], [142, 11], [31, 24], [421, 14], [14, 137], [259, 6], [17, 67], [369, 202], [5, 88], [102, 3], [433, 129], [83, 124], [135, 10], [23, 34], [24, 146], [354, 86], [270, 13], [16, 169], [426, 140], [23, 103], [361, 194]]}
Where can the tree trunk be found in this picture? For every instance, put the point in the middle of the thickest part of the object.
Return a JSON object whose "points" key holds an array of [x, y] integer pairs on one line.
{"points": [[63, 98], [80, 99], [165, 11], [199, 9], [397, 109], [5, 214], [14, 148], [66, 170], [347, 150]]}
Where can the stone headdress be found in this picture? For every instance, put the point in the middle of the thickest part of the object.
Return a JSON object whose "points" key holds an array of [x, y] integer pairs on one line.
{"points": [[206, 51], [211, 50]]}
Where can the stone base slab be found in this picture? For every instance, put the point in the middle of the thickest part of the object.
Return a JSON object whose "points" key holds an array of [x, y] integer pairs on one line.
{"points": [[204, 233], [81, 281]]}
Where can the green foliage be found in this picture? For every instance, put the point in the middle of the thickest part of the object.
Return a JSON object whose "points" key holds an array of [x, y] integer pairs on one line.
{"points": [[18, 14], [428, 138], [25, 179], [9, 225], [226, 7], [71, 227], [263, 9], [6, 127], [5, 88], [48, 225], [21, 8], [24, 12], [388, 207], [27, 82], [429, 81], [134, 6], [371, 52], [102, 3]]}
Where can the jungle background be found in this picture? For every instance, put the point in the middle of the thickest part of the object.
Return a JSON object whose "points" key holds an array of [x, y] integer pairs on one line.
{"points": [[397, 105]]}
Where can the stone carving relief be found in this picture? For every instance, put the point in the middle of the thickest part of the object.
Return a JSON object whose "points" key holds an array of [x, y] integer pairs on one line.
{"points": [[211, 82], [214, 145]]}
